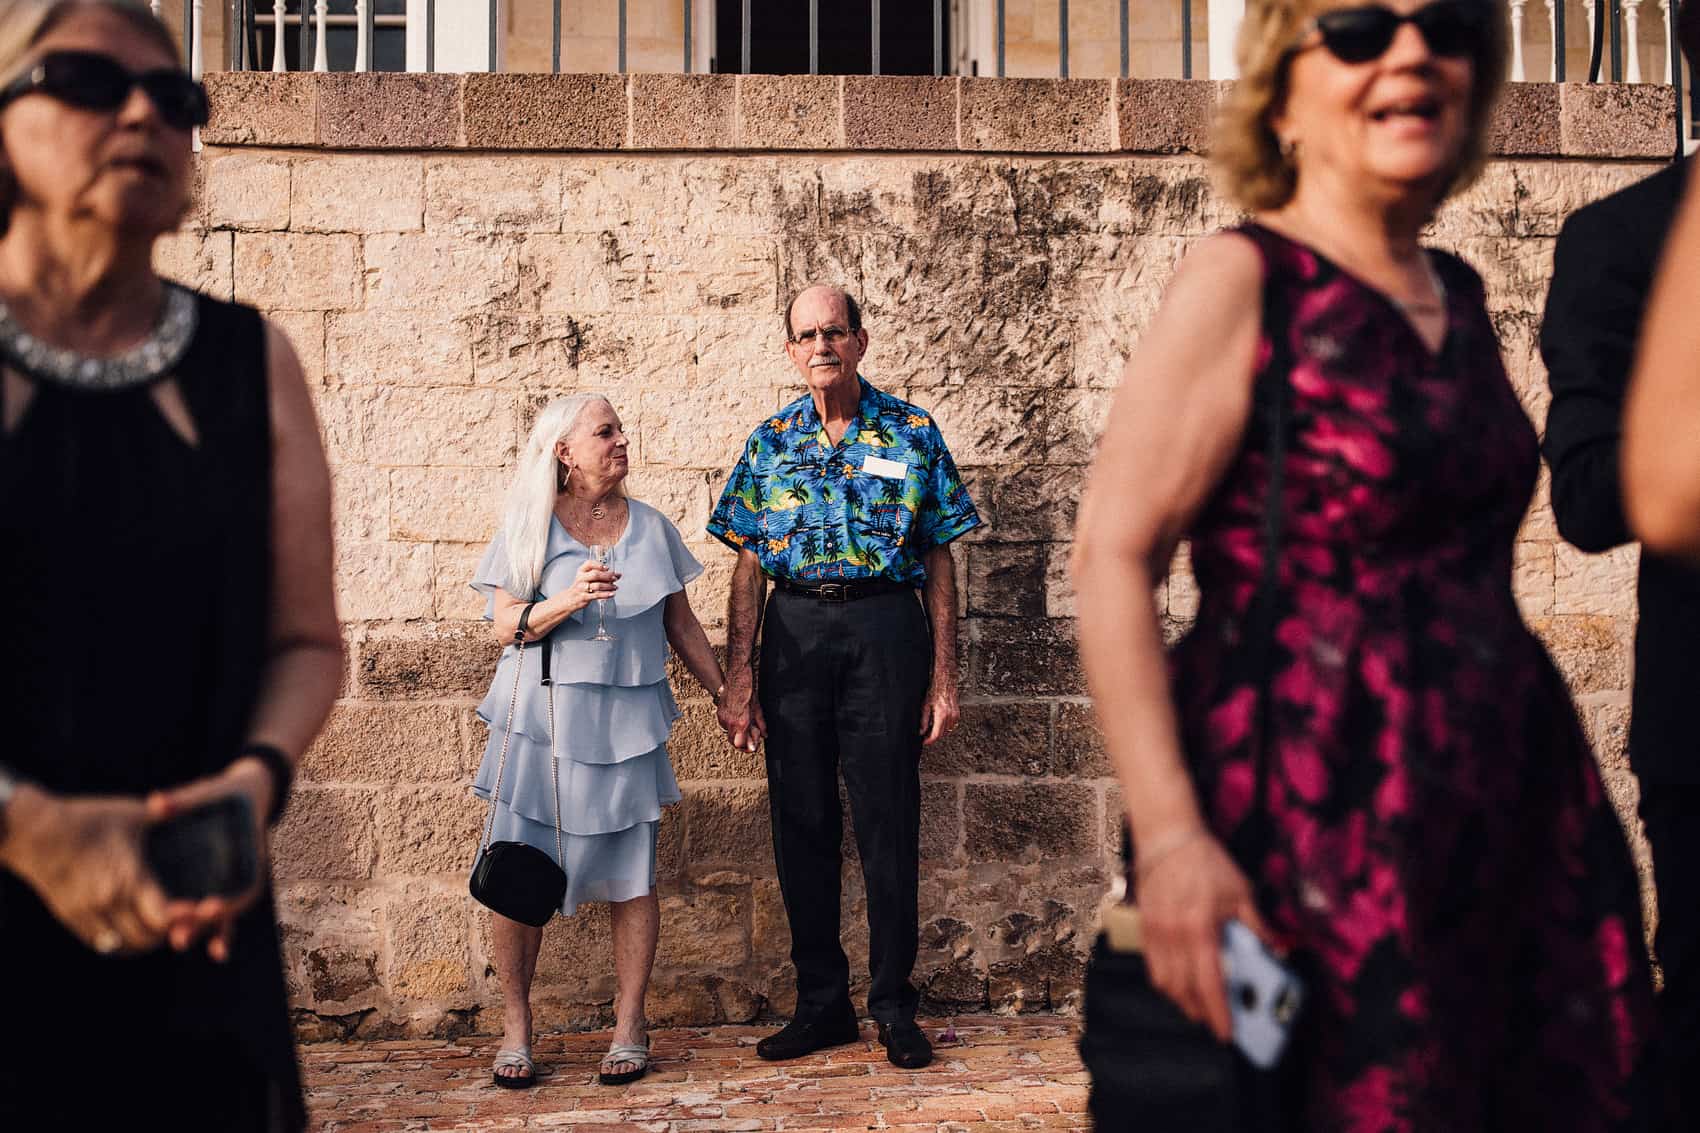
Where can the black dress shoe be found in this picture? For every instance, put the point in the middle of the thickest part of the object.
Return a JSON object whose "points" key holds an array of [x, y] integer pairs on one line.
{"points": [[905, 1045], [805, 1036]]}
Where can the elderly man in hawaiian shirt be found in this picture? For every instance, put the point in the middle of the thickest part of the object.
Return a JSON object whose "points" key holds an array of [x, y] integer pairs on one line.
{"points": [[845, 500]]}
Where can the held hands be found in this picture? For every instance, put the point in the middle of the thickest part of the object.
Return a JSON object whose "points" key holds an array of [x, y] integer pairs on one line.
{"points": [[83, 858], [593, 583], [1187, 888], [739, 712]]}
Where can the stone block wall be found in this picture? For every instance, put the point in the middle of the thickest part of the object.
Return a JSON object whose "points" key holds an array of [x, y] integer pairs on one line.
{"points": [[439, 292]]}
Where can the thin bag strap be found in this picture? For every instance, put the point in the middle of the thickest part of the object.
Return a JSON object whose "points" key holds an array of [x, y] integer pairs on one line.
{"points": [[1274, 523], [508, 732], [1263, 601], [507, 737], [1279, 383], [554, 758]]}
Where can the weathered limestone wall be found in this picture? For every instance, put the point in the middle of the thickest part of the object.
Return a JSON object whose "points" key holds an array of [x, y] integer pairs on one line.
{"points": [[439, 294]]}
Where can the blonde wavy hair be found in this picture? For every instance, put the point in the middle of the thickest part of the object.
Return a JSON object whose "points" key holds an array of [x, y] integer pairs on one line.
{"points": [[1250, 166], [23, 23]]}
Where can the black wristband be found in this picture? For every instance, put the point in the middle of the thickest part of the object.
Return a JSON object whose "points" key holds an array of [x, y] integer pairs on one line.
{"points": [[524, 624], [282, 772]]}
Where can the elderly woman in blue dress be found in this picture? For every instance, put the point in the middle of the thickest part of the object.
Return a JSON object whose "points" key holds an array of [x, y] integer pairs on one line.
{"points": [[606, 626]]}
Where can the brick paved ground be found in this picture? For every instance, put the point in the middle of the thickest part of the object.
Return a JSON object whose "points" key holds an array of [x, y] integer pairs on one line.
{"points": [[1003, 1074]]}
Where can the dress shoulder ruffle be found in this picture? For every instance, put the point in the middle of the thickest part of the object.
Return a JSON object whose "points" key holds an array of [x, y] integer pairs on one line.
{"points": [[653, 563], [651, 558]]}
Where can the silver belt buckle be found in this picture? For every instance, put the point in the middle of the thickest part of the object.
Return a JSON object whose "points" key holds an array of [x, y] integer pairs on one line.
{"points": [[833, 592]]}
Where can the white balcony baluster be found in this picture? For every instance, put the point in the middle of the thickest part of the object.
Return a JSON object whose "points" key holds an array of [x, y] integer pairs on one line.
{"points": [[321, 60], [153, 6], [196, 34], [1588, 11], [1225, 19], [1670, 34], [360, 47], [278, 61], [1517, 73], [1552, 38], [1631, 41]]}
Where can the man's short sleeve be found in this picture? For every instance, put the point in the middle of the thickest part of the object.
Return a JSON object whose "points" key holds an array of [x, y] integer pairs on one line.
{"points": [[946, 512], [736, 519]]}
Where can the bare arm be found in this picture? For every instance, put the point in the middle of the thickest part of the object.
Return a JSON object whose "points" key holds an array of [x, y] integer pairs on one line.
{"points": [[1661, 449], [941, 711], [304, 670], [740, 713], [685, 635], [304, 666], [1174, 429], [592, 583]]}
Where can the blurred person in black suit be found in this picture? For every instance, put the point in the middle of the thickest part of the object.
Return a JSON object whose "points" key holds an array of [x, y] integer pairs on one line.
{"points": [[1603, 272]]}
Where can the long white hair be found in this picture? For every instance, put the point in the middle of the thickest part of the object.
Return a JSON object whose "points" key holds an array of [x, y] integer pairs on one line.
{"points": [[531, 499]]}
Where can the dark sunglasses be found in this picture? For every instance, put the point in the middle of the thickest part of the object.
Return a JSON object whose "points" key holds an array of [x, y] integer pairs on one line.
{"points": [[89, 81], [1454, 28]]}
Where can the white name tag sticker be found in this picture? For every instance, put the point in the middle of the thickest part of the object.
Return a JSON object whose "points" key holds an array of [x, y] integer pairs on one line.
{"points": [[880, 466]]}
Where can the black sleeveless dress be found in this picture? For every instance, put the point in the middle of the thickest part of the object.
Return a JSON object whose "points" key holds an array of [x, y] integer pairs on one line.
{"points": [[135, 574]]}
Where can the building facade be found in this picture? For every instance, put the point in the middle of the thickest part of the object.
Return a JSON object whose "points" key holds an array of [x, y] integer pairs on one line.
{"points": [[449, 252]]}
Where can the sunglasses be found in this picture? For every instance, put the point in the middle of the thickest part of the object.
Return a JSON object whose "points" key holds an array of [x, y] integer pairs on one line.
{"points": [[89, 81], [1453, 28]]}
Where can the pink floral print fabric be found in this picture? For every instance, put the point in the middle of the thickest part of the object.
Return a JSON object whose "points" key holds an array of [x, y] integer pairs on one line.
{"points": [[1442, 849]]}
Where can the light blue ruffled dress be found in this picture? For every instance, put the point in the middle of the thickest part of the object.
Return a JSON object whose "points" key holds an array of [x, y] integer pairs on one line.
{"points": [[613, 712]]}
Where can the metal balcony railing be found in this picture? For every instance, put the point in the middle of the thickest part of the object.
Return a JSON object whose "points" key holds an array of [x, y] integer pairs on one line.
{"points": [[1615, 34]]}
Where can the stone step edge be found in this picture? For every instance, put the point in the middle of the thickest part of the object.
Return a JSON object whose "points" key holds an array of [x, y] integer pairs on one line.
{"points": [[839, 113]]}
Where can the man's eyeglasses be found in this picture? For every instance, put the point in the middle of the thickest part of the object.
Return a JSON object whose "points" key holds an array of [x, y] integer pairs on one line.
{"points": [[832, 336], [90, 81], [1453, 28]]}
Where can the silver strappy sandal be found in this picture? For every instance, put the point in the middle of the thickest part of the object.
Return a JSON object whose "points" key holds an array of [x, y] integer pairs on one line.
{"points": [[635, 1053], [519, 1059]]}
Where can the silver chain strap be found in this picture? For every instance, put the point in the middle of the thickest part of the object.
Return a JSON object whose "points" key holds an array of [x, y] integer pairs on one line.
{"points": [[555, 772], [502, 763]]}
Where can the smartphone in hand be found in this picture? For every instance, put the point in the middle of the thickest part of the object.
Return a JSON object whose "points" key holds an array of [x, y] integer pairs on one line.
{"points": [[1264, 996], [206, 852]]}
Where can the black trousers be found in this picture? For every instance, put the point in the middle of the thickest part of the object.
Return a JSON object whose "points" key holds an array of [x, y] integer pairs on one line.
{"points": [[1671, 813], [842, 685]]}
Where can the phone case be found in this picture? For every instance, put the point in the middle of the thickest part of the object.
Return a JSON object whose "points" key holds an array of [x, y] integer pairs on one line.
{"points": [[205, 852], [1263, 995]]}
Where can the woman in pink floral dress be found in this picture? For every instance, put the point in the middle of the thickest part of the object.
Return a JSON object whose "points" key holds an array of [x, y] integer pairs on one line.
{"points": [[1440, 847]]}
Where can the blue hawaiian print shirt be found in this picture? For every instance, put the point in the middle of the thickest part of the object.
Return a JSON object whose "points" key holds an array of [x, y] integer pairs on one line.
{"points": [[868, 507]]}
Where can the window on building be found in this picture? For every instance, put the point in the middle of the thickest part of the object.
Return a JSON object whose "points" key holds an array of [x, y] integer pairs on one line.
{"points": [[389, 34], [779, 37]]}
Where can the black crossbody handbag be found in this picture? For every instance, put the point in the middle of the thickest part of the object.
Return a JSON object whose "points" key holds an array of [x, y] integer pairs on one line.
{"points": [[517, 879], [1153, 1069]]}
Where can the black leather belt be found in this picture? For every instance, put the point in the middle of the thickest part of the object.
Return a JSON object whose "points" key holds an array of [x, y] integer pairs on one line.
{"points": [[841, 591]]}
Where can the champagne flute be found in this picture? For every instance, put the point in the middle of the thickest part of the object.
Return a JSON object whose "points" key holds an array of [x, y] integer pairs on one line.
{"points": [[599, 555]]}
